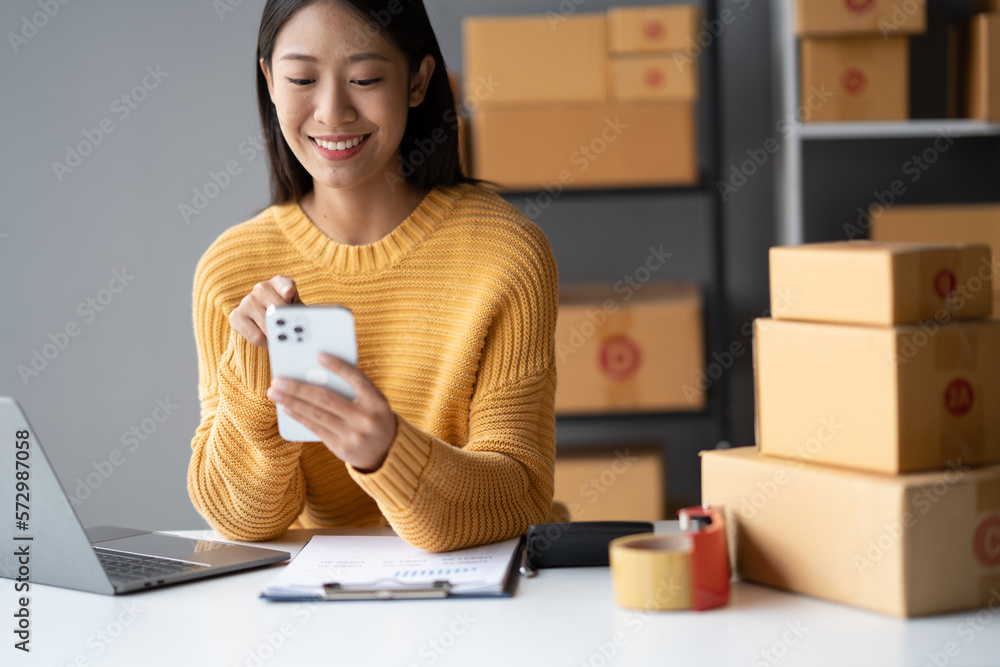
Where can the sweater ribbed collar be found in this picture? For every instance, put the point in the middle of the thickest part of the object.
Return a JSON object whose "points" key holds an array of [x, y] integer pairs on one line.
{"points": [[357, 259]]}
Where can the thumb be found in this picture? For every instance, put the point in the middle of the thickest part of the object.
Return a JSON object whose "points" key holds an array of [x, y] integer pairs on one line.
{"points": [[286, 288]]}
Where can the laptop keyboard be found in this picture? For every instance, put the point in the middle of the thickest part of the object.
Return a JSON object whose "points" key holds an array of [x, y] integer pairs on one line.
{"points": [[131, 567]]}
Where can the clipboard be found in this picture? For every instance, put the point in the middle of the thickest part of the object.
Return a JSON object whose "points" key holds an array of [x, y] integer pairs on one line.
{"points": [[351, 589]]}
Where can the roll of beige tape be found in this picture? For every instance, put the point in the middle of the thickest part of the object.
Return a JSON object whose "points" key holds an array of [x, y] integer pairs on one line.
{"points": [[652, 572]]}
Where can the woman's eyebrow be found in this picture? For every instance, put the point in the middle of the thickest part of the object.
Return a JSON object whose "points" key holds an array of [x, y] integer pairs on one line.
{"points": [[358, 57]]}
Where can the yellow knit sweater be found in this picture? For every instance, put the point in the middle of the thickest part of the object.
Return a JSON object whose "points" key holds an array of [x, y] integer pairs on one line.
{"points": [[455, 312]]}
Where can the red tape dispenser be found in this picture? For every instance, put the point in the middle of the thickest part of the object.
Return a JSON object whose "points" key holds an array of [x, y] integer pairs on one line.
{"points": [[686, 570]]}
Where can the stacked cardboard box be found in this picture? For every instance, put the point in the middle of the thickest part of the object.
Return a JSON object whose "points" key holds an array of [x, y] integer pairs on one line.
{"points": [[963, 223], [584, 100], [878, 391], [856, 53]]}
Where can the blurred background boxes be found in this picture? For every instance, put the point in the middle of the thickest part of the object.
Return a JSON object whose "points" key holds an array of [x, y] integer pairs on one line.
{"points": [[656, 28], [533, 60], [585, 101], [884, 399], [983, 63], [629, 355], [534, 148], [839, 17], [909, 545], [651, 78], [620, 483], [861, 282], [865, 78]]}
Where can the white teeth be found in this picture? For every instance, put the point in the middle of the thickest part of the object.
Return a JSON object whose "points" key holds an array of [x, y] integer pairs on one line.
{"points": [[339, 145]]}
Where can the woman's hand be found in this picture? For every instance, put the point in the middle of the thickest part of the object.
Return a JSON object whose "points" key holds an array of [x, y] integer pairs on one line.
{"points": [[247, 319], [358, 432]]}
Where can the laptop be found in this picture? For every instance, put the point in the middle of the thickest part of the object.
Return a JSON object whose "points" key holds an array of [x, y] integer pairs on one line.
{"points": [[45, 543]]}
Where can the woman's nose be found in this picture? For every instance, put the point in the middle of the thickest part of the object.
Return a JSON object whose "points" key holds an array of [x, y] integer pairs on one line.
{"points": [[334, 106]]}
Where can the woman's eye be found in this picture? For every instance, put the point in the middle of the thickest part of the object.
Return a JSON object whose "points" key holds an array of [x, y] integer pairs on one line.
{"points": [[366, 82], [300, 82]]}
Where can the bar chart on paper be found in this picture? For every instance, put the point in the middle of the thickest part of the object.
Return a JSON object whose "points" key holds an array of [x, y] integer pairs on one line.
{"points": [[389, 563]]}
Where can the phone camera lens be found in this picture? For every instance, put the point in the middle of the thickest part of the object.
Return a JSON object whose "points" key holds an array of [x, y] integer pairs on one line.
{"points": [[280, 323], [282, 337], [298, 329]]}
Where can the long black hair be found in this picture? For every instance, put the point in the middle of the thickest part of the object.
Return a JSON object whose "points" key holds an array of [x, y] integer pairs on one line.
{"points": [[429, 150]]}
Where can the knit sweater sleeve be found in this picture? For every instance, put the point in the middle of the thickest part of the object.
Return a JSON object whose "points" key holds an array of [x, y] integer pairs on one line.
{"points": [[442, 496], [243, 478]]}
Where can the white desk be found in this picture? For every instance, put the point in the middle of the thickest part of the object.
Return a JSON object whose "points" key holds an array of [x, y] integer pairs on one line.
{"points": [[561, 617]]}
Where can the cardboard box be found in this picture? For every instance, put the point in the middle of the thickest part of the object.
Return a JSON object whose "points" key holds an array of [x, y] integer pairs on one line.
{"points": [[841, 17], [985, 6], [643, 353], [652, 77], [983, 87], [536, 59], [907, 546], [963, 223], [868, 77], [563, 147], [653, 28], [862, 282], [624, 483], [884, 399]]}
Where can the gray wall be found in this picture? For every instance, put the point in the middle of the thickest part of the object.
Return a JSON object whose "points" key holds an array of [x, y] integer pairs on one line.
{"points": [[66, 232]]}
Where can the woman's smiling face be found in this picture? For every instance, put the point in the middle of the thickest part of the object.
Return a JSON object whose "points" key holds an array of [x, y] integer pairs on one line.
{"points": [[342, 93]]}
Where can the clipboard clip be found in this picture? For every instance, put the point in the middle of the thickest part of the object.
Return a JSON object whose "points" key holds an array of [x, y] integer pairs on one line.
{"points": [[336, 591]]}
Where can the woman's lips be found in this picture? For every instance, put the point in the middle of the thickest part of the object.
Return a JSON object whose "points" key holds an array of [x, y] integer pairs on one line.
{"points": [[339, 150]]}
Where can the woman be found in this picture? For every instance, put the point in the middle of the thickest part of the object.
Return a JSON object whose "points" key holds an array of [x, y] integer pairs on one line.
{"points": [[454, 293]]}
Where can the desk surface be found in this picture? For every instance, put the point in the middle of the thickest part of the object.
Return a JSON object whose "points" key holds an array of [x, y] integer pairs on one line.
{"points": [[561, 617]]}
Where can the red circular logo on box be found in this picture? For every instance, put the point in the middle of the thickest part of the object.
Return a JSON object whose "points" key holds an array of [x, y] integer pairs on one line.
{"points": [[853, 81], [945, 283], [620, 357], [986, 542], [859, 6], [653, 30], [654, 77], [958, 397]]}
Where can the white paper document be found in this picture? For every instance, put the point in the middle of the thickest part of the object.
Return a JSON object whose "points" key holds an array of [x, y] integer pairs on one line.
{"points": [[387, 563]]}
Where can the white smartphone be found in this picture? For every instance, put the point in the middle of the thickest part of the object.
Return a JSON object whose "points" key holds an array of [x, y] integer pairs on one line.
{"points": [[295, 337]]}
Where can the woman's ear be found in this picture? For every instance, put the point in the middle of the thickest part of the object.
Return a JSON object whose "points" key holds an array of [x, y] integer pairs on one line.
{"points": [[420, 80], [270, 81]]}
